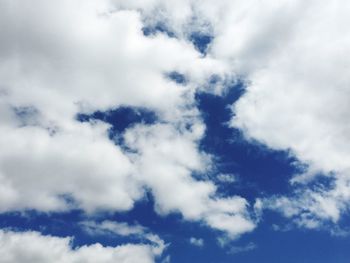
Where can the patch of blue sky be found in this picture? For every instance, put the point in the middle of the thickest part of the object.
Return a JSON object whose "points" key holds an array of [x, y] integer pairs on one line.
{"points": [[177, 77], [158, 28], [259, 169], [201, 41], [120, 119]]}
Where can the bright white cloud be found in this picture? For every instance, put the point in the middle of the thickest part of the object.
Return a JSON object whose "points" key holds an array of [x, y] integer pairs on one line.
{"points": [[299, 101], [32, 247], [92, 55], [166, 157], [66, 57], [41, 171], [88, 56], [294, 56]]}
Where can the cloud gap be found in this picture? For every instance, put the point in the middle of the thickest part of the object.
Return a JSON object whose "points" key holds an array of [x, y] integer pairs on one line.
{"points": [[251, 161], [121, 119]]}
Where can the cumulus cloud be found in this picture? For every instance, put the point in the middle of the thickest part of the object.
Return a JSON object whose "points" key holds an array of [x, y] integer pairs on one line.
{"points": [[32, 247], [88, 56], [299, 101], [92, 55], [81, 164], [293, 56], [68, 57], [175, 152]]}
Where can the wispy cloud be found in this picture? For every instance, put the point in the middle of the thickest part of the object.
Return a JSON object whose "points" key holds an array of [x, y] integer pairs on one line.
{"points": [[198, 242], [242, 249]]}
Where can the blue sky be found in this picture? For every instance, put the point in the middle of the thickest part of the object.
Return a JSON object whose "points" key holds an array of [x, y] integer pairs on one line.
{"points": [[160, 131]]}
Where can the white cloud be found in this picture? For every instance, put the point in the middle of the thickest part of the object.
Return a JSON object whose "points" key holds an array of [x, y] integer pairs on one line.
{"points": [[137, 231], [242, 249], [66, 57], [294, 56], [227, 178], [32, 247], [299, 101], [38, 170], [309, 208], [118, 228], [198, 242], [75, 57], [165, 160], [166, 157], [91, 55]]}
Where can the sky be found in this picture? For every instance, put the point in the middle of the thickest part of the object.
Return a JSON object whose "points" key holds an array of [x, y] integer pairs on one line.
{"points": [[152, 131]]}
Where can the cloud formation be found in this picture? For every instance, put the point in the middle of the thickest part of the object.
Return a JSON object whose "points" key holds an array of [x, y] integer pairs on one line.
{"points": [[198, 242], [293, 57], [299, 101], [91, 56], [32, 247]]}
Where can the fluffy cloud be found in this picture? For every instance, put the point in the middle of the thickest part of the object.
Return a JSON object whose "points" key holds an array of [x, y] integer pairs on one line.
{"points": [[44, 171], [299, 101], [33, 247], [64, 58], [86, 56], [92, 55], [165, 157], [293, 55]]}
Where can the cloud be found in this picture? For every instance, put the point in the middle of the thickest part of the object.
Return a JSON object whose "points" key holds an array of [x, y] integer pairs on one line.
{"points": [[299, 101], [137, 231], [79, 163], [167, 259], [93, 55], [118, 228], [293, 57], [198, 242], [33, 247], [309, 208], [166, 157], [88, 47], [69, 57], [242, 249], [227, 178]]}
